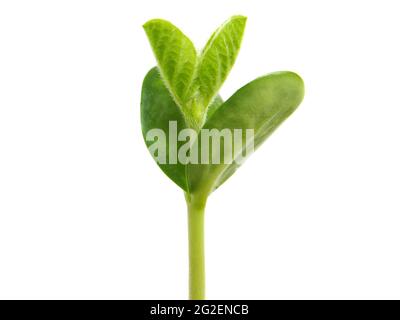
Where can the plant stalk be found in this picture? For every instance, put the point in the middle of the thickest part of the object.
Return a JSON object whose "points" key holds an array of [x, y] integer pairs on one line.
{"points": [[196, 206]]}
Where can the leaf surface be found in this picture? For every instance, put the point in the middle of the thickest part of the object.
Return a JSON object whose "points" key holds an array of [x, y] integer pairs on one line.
{"points": [[218, 56], [156, 111], [176, 57], [262, 105]]}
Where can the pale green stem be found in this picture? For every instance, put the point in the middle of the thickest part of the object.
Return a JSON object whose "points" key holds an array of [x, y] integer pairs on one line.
{"points": [[196, 206]]}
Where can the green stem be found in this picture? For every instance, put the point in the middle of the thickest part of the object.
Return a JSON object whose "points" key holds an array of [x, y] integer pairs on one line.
{"points": [[196, 206]]}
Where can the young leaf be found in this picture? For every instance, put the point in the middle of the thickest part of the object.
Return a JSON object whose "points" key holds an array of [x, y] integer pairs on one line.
{"points": [[176, 57], [157, 110], [218, 57], [262, 105]]}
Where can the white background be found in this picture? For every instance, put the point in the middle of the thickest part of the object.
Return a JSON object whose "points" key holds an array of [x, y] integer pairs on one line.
{"points": [[86, 213]]}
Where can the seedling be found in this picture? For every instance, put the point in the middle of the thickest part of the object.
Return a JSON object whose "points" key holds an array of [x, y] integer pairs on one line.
{"points": [[180, 101]]}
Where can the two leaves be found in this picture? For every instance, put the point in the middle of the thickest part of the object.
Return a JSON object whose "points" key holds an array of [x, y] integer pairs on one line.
{"points": [[262, 105], [194, 79]]}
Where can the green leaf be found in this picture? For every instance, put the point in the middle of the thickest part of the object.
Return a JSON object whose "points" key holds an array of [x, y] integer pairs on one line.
{"points": [[262, 105], [157, 110], [218, 56], [176, 57]]}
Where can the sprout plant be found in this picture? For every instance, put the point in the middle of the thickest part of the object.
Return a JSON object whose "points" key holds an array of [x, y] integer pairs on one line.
{"points": [[180, 101]]}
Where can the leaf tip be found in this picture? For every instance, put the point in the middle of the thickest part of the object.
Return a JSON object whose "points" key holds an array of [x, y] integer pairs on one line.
{"points": [[147, 24], [240, 17], [155, 23], [300, 81], [296, 83]]}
